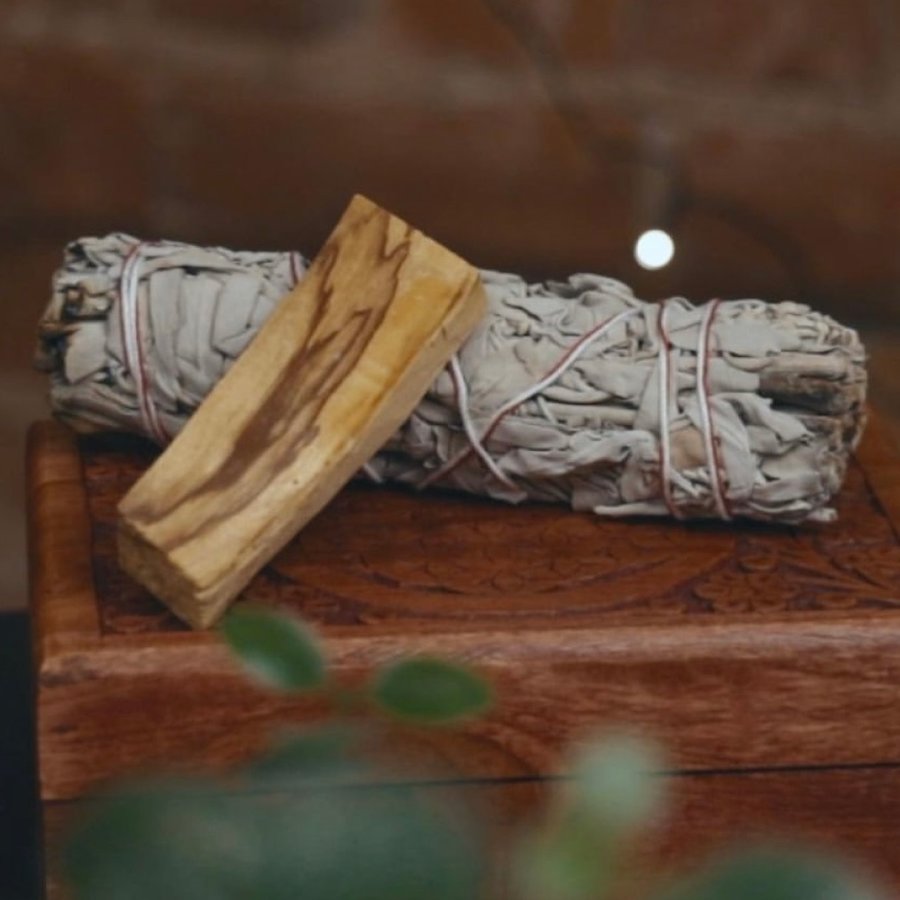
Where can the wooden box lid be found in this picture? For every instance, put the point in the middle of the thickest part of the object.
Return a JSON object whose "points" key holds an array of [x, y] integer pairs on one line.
{"points": [[739, 646]]}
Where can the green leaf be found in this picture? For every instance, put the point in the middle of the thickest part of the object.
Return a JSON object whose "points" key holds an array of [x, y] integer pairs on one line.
{"points": [[611, 794], [563, 865], [277, 649], [162, 838], [773, 873], [616, 788], [174, 839], [431, 691], [381, 843], [320, 755]]}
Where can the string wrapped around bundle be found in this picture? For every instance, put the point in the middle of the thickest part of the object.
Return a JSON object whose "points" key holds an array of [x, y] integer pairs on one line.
{"points": [[571, 392]]}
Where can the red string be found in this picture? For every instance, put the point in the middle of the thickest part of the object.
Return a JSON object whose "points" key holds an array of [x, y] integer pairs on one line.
{"points": [[715, 463], [514, 404], [138, 367], [665, 387], [717, 469]]}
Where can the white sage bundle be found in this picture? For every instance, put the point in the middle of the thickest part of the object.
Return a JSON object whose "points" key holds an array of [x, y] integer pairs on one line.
{"points": [[574, 392]]}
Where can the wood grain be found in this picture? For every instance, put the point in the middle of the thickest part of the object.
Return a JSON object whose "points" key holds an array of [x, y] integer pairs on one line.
{"points": [[740, 647], [332, 374], [63, 602]]}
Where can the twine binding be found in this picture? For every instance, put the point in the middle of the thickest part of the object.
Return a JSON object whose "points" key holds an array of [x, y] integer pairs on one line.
{"points": [[664, 367], [133, 344]]}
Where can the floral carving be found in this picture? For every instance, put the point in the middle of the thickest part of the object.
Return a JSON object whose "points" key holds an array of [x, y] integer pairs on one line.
{"points": [[731, 592], [443, 558], [804, 576]]}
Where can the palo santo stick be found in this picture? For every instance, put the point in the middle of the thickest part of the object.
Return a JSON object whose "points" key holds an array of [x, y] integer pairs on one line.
{"points": [[333, 373]]}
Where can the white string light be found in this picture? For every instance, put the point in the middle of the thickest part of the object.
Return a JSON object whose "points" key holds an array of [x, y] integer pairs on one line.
{"points": [[654, 249]]}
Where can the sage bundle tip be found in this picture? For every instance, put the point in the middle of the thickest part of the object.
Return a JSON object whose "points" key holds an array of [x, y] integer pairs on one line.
{"points": [[572, 392]]}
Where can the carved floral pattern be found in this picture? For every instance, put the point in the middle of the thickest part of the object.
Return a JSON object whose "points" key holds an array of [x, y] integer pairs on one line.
{"points": [[449, 558], [795, 578]]}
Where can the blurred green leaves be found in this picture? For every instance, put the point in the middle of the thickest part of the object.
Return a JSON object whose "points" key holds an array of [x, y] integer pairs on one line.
{"points": [[159, 840], [374, 843], [613, 794], [284, 654], [276, 649], [312, 818], [615, 789], [327, 754], [431, 691], [772, 873], [163, 838]]}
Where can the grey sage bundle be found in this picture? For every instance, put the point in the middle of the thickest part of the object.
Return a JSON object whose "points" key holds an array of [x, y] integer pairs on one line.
{"points": [[572, 392]]}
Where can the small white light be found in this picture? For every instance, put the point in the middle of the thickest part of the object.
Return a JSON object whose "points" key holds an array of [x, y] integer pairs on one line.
{"points": [[654, 249]]}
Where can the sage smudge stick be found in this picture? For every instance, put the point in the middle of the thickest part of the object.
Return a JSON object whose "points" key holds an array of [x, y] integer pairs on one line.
{"points": [[574, 392]]}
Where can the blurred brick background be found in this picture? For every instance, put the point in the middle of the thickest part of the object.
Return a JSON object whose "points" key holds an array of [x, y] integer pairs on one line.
{"points": [[538, 135]]}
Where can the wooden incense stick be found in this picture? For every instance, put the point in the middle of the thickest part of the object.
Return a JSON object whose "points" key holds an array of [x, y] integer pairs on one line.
{"points": [[333, 373]]}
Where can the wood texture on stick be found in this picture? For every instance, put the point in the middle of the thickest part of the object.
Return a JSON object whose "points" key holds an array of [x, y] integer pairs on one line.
{"points": [[331, 376]]}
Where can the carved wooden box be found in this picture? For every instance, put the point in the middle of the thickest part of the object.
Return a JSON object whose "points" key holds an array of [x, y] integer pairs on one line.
{"points": [[767, 659]]}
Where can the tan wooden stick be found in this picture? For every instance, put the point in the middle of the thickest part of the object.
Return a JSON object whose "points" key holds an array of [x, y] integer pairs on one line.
{"points": [[333, 373]]}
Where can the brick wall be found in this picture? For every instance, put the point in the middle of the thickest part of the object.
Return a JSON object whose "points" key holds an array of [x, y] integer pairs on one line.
{"points": [[541, 135]]}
